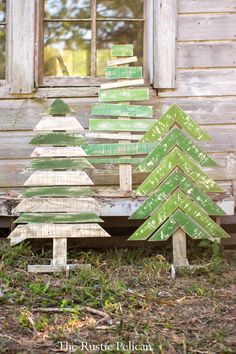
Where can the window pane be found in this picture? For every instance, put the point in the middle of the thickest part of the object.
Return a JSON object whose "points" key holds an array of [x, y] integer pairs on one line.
{"points": [[67, 9], [120, 8], [2, 10], [67, 49], [109, 33], [2, 52]]}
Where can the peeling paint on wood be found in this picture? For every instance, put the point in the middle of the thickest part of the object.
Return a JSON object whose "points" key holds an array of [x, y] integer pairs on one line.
{"points": [[122, 50], [58, 218], [123, 125], [58, 192], [59, 164], [139, 94], [58, 139], [58, 178], [132, 72], [118, 149], [122, 110]]}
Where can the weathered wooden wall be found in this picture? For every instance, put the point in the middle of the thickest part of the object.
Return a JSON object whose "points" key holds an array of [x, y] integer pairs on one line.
{"points": [[205, 88]]}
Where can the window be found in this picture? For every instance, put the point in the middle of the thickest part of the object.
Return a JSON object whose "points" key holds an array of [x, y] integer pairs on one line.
{"points": [[2, 38], [78, 35]]}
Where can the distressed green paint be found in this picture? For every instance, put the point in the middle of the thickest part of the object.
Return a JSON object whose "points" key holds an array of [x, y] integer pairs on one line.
{"points": [[173, 181], [122, 50], [60, 164], [122, 125], [58, 192], [57, 218], [116, 160], [175, 115], [178, 200], [122, 110], [177, 158], [173, 138], [179, 220], [117, 149], [59, 139], [59, 108], [125, 95], [131, 72]]}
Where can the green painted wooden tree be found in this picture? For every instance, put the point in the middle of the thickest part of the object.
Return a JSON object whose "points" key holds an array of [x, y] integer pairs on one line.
{"points": [[58, 201], [176, 186]]}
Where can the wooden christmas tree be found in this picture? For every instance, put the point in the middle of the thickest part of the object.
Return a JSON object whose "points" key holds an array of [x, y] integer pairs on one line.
{"points": [[177, 186], [57, 205]]}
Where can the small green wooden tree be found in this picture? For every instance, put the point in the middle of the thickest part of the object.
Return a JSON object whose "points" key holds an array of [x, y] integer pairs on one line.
{"points": [[177, 186], [58, 202]]}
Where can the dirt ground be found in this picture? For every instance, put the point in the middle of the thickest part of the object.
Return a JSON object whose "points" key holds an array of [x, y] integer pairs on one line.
{"points": [[127, 303]]}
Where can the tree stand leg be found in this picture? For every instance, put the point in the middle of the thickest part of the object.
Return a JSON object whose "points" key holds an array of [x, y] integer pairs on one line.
{"points": [[59, 252], [179, 249]]}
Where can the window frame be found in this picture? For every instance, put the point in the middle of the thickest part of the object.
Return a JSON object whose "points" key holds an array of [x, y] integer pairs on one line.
{"points": [[41, 81]]}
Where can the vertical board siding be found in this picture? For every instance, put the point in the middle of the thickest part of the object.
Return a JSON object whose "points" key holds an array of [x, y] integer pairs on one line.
{"points": [[20, 46], [165, 32]]}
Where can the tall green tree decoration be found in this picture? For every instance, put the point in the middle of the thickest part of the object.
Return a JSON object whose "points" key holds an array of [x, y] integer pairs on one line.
{"points": [[58, 202], [176, 186]]}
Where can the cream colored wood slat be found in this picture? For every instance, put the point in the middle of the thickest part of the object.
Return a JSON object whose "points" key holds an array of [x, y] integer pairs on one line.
{"points": [[50, 151], [124, 83], [122, 61], [59, 178], [59, 123]]}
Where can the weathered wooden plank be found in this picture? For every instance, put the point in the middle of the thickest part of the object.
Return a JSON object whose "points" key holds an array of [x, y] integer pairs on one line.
{"points": [[57, 218], [118, 149], [58, 192], [49, 151], [175, 138], [175, 115], [165, 33], [133, 125], [116, 160], [45, 268], [125, 83], [59, 251], [59, 139], [58, 123], [59, 108], [206, 54], [140, 94], [29, 231], [206, 27], [20, 46], [59, 164], [207, 82], [132, 72], [122, 110], [197, 6], [57, 205], [58, 178], [176, 158], [122, 50], [121, 61]]}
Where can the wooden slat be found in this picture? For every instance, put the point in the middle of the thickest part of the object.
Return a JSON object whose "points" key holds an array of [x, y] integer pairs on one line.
{"points": [[59, 251], [206, 27], [206, 54], [58, 192], [118, 149], [49, 151], [59, 164], [122, 61], [20, 46], [58, 139], [44, 268], [30, 231], [132, 72], [196, 6], [133, 125], [123, 50], [57, 218], [58, 178], [208, 82], [165, 32], [124, 83], [122, 110], [57, 205], [58, 123], [180, 249], [139, 94]]}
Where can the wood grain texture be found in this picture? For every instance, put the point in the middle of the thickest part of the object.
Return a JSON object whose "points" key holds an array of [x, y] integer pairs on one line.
{"points": [[196, 6], [58, 178], [138, 94], [59, 164], [50, 151], [59, 218], [122, 61], [125, 83], [58, 123], [58, 139], [180, 249], [132, 72], [204, 83], [30, 231], [58, 192], [165, 33], [57, 205], [122, 50], [45, 268], [118, 149], [122, 110], [206, 27], [20, 46], [59, 252], [123, 125]]}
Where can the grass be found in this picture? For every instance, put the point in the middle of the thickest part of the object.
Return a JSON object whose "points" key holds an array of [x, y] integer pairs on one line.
{"points": [[127, 296]]}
